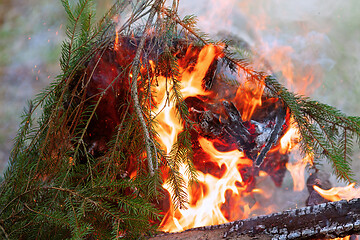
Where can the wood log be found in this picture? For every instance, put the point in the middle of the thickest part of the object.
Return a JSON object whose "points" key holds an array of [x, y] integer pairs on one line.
{"points": [[327, 220]]}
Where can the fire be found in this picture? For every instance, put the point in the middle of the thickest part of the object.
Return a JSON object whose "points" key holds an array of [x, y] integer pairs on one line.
{"points": [[169, 126], [338, 193], [229, 186], [116, 43], [226, 189], [288, 143], [209, 198], [250, 97], [213, 199], [192, 80], [221, 193], [290, 138]]}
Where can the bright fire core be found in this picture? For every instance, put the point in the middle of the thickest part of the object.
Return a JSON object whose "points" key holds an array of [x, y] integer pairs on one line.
{"points": [[217, 197]]}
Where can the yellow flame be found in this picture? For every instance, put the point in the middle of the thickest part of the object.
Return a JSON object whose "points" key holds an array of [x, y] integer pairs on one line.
{"points": [[337, 193], [207, 209]]}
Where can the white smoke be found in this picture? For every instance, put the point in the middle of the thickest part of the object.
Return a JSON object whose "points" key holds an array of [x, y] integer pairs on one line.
{"points": [[321, 35]]}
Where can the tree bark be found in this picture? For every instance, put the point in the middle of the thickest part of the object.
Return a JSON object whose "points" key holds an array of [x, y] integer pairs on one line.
{"points": [[327, 220]]}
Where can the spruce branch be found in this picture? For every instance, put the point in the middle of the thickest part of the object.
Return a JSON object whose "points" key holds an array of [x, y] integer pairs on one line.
{"points": [[46, 215], [136, 64]]}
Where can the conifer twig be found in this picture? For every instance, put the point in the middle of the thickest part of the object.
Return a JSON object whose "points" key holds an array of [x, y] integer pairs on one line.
{"points": [[3, 230], [134, 91], [189, 29]]}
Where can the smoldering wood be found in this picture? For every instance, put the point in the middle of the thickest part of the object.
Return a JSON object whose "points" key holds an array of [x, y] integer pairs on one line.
{"points": [[222, 121], [320, 179], [327, 220], [280, 121]]}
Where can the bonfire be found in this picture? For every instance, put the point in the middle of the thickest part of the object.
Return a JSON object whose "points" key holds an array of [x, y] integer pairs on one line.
{"points": [[154, 128]]}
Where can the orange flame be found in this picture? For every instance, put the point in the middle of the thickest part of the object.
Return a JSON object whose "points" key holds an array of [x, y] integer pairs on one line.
{"points": [[290, 138], [224, 196], [169, 126], [211, 203], [288, 143], [338, 193], [249, 95], [192, 80], [116, 43]]}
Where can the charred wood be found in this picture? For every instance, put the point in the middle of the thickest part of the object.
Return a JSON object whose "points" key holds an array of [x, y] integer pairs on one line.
{"points": [[327, 220], [321, 180], [280, 121], [234, 124], [222, 122]]}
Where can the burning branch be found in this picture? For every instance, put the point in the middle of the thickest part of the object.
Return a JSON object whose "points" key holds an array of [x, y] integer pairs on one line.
{"points": [[280, 121]]}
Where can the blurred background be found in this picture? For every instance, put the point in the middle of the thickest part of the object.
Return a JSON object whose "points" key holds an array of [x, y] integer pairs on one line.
{"points": [[317, 40]]}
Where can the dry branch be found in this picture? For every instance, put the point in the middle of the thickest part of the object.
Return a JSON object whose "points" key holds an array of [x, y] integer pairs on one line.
{"points": [[327, 220], [134, 91]]}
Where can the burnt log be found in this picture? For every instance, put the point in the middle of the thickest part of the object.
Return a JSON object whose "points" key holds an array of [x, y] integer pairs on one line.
{"points": [[280, 121], [216, 116], [327, 220]]}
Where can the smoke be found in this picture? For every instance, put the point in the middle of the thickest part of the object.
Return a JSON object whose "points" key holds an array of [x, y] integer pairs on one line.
{"points": [[318, 41], [322, 35]]}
